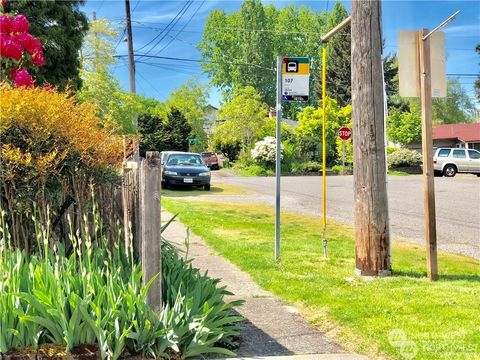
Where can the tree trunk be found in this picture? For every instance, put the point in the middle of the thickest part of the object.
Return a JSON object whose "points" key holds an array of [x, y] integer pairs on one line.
{"points": [[372, 238]]}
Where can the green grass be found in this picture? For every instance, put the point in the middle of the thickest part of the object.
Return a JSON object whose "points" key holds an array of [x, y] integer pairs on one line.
{"points": [[441, 318], [398, 173], [220, 189]]}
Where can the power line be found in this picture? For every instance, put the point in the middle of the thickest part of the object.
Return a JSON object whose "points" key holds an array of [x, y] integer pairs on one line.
{"points": [[190, 19], [172, 23], [198, 61]]}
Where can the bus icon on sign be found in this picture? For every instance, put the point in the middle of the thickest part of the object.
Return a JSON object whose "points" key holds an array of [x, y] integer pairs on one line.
{"points": [[292, 66]]}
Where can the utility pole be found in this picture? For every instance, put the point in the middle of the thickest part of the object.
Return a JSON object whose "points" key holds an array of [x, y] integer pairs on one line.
{"points": [[372, 237], [131, 60]]}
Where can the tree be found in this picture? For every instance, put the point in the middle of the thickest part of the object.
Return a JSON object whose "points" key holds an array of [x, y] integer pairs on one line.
{"points": [[160, 134], [241, 47], [191, 100], [99, 86], [455, 108], [60, 26], [244, 117], [309, 132], [338, 60], [404, 127]]}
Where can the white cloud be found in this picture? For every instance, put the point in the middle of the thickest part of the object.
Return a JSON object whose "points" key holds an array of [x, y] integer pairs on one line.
{"points": [[467, 29]]}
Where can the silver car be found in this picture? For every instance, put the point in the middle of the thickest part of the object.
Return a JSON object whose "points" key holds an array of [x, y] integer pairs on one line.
{"points": [[449, 161]]}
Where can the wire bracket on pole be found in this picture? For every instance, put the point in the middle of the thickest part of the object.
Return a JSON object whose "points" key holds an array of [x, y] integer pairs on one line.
{"points": [[325, 244]]}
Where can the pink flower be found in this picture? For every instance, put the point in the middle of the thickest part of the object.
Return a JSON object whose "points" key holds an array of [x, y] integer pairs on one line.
{"points": [[6, 24], [21, 77], [37, 58], [20, 24], [10, 48]]}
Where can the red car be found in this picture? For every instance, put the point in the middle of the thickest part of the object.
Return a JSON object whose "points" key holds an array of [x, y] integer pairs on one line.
{"points": [[211, 160]]}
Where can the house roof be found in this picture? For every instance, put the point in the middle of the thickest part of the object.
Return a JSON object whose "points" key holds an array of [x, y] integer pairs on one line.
{"points": [[462, 132]]}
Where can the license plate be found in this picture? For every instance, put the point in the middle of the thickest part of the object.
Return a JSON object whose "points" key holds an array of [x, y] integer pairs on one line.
{"points": [[188, 180]]}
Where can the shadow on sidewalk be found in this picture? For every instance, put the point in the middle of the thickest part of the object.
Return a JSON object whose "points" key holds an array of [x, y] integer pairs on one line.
{"points": [[255, 342]]}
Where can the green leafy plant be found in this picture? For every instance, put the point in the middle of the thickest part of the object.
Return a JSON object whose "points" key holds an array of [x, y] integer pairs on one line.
{"points": [[94, 295]]}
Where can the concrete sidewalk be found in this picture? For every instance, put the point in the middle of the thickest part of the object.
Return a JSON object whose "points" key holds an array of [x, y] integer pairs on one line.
{"points": [[272, 329]]}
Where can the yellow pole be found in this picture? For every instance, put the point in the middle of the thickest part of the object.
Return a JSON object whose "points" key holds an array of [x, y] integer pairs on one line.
{"points": [[324, 136]]}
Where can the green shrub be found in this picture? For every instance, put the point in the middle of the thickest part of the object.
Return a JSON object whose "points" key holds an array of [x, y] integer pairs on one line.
{"points": [[404, 158], [94, 294], [338, 169], [312, 167]]}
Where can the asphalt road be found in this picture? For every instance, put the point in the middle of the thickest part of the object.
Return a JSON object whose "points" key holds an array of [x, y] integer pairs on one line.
{"points": [[457, 204]]}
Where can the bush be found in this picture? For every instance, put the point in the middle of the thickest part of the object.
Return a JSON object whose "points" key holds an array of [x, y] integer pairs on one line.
{"points": [[52, 147], [404, 158], [312, 167], [44, 300], [264, 152]]}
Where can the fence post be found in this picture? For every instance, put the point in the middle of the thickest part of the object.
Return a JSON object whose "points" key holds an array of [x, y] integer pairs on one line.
{"points": [[150, 226]]}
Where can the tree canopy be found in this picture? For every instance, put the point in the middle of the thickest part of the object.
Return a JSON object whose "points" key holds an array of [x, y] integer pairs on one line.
{"points": [[244, 116], [455, 108], [60, 26]]}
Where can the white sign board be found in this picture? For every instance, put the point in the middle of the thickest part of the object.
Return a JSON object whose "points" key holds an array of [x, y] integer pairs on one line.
{"points": [[408, 66]]}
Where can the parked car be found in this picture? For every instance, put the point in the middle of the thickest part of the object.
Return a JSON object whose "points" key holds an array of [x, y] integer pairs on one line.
{"points": [[185, 169], [211, 160], [449, 161]]}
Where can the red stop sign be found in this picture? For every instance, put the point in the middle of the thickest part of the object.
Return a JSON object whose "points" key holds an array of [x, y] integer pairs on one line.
{"points": [[345, 133]]}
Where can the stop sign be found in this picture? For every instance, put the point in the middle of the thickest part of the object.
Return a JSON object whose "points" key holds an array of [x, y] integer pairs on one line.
{"points": [[345, 133]]}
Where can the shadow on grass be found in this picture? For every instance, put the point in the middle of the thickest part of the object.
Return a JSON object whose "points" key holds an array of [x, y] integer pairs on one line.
{"points": [[442, 277], [181, 191]]}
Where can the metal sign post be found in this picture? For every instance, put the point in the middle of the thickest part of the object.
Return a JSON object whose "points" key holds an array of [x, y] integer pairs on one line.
{"points": [[278, 157]]}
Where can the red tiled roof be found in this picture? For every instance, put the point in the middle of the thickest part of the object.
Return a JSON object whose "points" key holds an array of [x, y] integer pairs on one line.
{"points": [[463, 132]]}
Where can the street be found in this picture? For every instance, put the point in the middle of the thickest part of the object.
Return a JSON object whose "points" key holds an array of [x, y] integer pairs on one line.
{"points": [[457, 204]]}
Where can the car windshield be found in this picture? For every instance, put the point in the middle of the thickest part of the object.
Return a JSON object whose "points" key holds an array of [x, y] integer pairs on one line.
{"points": [[185, 159], [208, 154]]}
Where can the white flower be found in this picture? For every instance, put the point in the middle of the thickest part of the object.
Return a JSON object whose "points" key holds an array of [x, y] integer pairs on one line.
{"points": [[265, 150]]}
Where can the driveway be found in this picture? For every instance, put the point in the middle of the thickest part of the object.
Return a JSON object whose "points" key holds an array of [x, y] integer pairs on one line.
{"points": [[457, 204]]}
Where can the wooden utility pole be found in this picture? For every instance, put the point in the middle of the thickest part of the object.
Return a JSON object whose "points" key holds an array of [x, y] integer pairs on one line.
{"points": [[150, 226], [427, 149], [131, 60], [372, 238]]}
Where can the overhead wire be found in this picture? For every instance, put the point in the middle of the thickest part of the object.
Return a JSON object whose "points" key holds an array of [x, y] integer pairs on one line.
{"points": [[171, 24], [179, 32]]}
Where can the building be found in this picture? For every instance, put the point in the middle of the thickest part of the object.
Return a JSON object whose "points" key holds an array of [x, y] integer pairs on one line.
{"points": [[457, 135]]}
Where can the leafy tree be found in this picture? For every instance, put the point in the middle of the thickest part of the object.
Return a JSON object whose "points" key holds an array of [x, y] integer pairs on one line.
{"points": [[241, 47], [405, 127], [309, 131], [159, 134], [338, 60], [244, 117], [191, 100], [455, 108], [60, 26], [99, 86]]}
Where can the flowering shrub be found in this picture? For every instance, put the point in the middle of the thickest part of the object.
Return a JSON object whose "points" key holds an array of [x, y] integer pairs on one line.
{"points": [[17, 48], [264, 151], [404, 158], [51, 146]]}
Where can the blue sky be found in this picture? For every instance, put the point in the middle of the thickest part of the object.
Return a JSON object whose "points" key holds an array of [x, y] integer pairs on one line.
{"points": [[150, 17]]}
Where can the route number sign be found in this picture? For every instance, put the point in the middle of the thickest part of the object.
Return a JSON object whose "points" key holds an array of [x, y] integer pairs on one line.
{"points": [[345, 133], [295, 78]]}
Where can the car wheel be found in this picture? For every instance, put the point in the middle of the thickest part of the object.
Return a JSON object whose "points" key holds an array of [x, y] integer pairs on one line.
{"points": [[478, 175], [207, 187], [437, 173], [164, 185], [450, 171]]}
